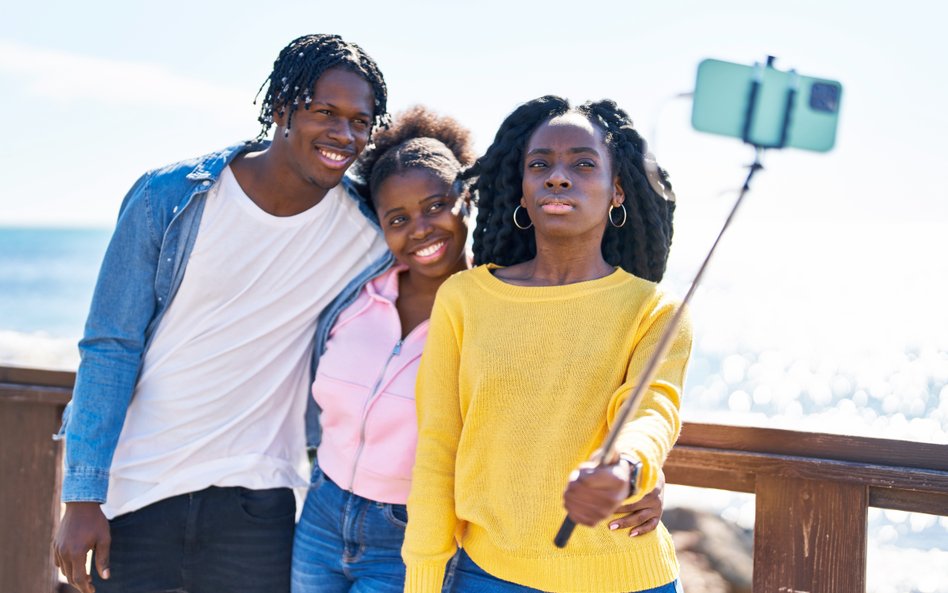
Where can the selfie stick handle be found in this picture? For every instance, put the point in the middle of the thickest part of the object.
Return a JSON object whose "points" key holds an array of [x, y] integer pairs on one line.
{"points": [[606, 452]]}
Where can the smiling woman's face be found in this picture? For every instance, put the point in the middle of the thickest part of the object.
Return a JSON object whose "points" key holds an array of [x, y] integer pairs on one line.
{"points": [[423, 222], [568, 183]]}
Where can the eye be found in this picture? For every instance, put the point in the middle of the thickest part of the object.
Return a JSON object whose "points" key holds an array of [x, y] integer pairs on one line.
{"points": [[435, 207], [586, 163], [397, 221], [536, 164], [361, 123], [326, 112]]}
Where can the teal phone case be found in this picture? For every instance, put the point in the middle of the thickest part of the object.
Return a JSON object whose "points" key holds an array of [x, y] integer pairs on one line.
{"points": [[723, 92]]}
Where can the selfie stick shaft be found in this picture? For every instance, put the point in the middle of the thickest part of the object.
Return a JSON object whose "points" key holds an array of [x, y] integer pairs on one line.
{"points": [[607, 453]]}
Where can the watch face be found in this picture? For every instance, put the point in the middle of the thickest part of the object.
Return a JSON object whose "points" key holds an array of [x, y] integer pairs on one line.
{"points": [[634, 467]]}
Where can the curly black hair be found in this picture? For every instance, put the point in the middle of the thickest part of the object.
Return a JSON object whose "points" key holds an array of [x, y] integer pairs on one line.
{"points": [[640, 247], [417, 139], [299, 66]]}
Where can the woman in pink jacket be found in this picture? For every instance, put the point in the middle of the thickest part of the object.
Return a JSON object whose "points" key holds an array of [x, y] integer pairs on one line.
{"points": [[353, 522]]}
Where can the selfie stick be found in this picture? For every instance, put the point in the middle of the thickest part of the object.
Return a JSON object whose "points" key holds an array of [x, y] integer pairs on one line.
{"points": [[607, 454]]}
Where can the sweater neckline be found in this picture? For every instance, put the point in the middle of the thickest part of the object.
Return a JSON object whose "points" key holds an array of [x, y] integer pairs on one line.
{"points": [[486, 278]]}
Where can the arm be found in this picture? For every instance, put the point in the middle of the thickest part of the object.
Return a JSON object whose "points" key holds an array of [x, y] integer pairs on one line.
{"points": [[595, 493], [642, 516], [122, 307], [429, 538]]}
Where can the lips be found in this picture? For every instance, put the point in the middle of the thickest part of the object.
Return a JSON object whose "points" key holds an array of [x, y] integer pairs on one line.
{"points": [[430, 252], [335, 158], [556, 205]]}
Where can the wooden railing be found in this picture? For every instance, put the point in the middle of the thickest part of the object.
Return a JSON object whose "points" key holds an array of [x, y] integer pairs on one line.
{"points": [[31, 405], [812, 490]]}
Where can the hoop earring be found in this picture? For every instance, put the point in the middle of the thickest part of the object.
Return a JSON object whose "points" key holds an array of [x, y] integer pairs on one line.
{"points": [[625, 216], [517, 224]]}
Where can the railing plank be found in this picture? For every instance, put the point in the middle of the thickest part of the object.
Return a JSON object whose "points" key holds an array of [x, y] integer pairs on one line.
{"points": [[825, 446], [37, 377], [809, 536], [30, 464]]}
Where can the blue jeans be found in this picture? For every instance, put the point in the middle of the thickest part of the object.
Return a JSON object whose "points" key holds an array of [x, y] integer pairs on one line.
{"points": [[467, 577], [218, 539], [347, 543]]}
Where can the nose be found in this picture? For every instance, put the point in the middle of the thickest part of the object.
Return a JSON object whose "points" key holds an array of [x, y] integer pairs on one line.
{"points": [[421, 229], [557, 179], [341, 132]]}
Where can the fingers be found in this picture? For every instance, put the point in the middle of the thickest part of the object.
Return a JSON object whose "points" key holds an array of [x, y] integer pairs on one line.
{"points": [[637, 523], [83, 528], [76, 574], [56, 559], [594, 493], [71, 561], [101, 557]]}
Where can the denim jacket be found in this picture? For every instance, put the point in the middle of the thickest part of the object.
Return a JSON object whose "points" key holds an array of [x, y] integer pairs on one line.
{"points": [[142, 270]]}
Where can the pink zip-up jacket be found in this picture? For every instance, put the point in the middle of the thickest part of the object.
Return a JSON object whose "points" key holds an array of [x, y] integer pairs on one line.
{"points": [[365, 386]]}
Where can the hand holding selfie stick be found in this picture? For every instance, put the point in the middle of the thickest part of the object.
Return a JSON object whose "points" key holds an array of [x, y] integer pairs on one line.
{"points": [[607, 453]]}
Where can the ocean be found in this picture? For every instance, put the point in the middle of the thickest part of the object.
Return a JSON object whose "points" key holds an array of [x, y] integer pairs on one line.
{"points": [[807, 325]]}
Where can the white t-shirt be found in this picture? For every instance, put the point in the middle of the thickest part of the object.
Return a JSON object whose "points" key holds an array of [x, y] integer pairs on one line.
{"points": [[223, 389]]}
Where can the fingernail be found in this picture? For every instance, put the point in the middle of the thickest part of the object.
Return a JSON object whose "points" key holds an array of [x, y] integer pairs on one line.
{"points": [[106, 574], [633, 533], [613, 526]]}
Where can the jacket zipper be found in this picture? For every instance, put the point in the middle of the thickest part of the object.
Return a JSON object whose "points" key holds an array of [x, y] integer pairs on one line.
{"points": [[365, 409]]}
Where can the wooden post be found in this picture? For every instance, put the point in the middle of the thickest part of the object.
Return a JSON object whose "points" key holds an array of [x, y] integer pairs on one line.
{"points": [[30, 472], [809, 536]]}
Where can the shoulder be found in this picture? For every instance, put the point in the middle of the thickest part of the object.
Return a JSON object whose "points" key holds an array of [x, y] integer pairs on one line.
{"points": [[206, 167], [358, 201], [644, 299], [463, 285]]}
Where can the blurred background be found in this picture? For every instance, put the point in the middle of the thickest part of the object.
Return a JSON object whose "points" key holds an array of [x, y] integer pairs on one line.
{"points": [[823, 310]]}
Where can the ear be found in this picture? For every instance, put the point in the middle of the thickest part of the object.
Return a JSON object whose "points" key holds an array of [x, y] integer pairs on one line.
{"points": [[280, 116], [618, 194]]}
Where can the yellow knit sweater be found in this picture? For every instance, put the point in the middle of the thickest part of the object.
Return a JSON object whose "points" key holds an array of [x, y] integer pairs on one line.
{"points": [[517, 386]]}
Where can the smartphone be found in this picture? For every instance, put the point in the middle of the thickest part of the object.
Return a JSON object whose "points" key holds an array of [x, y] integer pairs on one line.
{"points": [[766, 107]]}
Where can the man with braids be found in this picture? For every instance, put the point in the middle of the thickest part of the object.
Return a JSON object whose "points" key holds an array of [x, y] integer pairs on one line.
{"points": [[185, 434], [530, 357]]}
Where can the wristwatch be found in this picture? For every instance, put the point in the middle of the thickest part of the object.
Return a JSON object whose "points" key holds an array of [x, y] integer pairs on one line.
{"points": [[635, 468]]}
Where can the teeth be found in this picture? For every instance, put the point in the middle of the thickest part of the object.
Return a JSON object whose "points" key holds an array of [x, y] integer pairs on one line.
{"points": [[430, 250], [333, 156]]}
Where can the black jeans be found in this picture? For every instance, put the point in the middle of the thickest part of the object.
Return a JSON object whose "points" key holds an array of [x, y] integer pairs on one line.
{"points": [[218, 540]]}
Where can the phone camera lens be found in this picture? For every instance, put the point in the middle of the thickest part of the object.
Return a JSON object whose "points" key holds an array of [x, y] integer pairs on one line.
{"points": [[824, 97]]}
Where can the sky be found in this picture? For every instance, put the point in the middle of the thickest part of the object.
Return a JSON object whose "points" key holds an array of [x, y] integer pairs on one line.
{"points": [[95, 93]]}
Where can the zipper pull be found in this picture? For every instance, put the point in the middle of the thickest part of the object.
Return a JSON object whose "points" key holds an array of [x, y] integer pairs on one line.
{"points": [[398, 348]]}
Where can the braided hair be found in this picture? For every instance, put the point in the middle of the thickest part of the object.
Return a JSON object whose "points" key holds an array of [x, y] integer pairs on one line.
{"points": [[299, 66], [640, 247], [417, 139]]}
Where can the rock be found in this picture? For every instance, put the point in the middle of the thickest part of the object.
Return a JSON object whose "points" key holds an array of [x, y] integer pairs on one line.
{"points": [[716, 556]]}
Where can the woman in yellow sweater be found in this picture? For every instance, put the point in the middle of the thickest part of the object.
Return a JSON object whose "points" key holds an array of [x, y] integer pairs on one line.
{"points": [[530, 357]]}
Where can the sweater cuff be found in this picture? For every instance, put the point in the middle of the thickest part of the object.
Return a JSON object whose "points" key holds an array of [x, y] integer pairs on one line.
{"points": [[424, 577]]}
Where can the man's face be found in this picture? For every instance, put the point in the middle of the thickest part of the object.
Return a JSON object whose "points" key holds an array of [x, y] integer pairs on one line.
{"points": [[326, 139]]}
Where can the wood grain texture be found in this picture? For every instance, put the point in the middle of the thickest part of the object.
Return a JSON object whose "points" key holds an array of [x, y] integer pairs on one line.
{"points": [[809, 536], [30, 464], [824, 446]]}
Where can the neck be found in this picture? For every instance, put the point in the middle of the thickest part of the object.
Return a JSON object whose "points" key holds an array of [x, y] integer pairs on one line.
{"points": [[566, 262], [274, 185]]}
